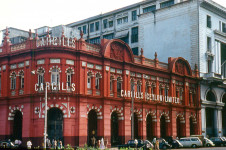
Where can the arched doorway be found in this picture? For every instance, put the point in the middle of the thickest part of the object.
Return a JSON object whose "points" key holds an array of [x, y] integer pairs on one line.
{"points": [[149, 127], [135, 126], [210, 119], [163, 126], [17, 125], [210, 122], [192, 126], [223, 115], [178, 127], [55, 124], [114, 129], [92, 126]]}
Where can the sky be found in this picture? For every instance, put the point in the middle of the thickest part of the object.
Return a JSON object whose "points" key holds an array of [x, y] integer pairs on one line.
{"points": [[32, 14]]}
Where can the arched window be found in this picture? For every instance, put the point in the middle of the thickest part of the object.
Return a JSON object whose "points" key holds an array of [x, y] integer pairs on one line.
{"points": [[21, 77], [13, 81], [97, 81], [55, 76], [210, 96], [89, 76], [139, 86], [111, 84], [147, 85], [40, 73], [166, 91], [181, 94], [119, 86], [69, 73]]}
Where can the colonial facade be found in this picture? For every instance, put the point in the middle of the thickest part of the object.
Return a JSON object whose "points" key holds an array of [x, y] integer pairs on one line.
{"points": [[90, 90]]}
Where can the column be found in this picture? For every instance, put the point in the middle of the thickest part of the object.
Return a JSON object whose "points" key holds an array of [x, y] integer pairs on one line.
{"points": [[216, 123], [203, 114], [220, 132]]}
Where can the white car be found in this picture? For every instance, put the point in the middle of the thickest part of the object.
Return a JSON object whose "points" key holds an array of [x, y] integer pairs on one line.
{"points": [[208, 142], [191, 142]]}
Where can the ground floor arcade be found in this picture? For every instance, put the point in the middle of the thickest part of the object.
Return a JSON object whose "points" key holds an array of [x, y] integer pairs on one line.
{"points": [[75, 120]]}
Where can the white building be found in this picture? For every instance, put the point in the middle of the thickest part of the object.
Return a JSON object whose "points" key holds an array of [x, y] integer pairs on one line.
{"points": [[193, 29]]}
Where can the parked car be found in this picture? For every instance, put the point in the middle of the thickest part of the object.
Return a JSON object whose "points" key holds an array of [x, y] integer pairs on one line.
{"points": [[131, 143], [163, 144], [207, 142], [218, 141], [148, 144], [191, 142], [176, 144], [7, 145]]}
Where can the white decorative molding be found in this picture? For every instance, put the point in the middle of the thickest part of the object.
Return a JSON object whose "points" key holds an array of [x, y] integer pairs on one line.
{"points": [[89, 65], [132, 74], [55, 60], [41, 61], [21, 65], [112, 70], [27, 63], [83, 64], [13, 66], [70, 62], [107, 68], [127, 72], [119, 71], [98, 67], [3, 67]]}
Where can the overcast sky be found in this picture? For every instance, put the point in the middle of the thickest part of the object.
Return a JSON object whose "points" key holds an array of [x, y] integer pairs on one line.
{"points": [[31, 14]]}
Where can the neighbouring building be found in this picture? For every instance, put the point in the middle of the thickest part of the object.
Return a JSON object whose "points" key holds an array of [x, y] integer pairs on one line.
{"points": [[192, 29], [90, 89]]}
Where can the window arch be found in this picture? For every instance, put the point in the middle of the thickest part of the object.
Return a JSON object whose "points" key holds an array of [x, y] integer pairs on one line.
{"points": [[210, 96], [69, 73], [13, 81], [21, 78], [97, 81], [55, 76], [89, 83], [119, 86], [40, 73], [139, 84]]}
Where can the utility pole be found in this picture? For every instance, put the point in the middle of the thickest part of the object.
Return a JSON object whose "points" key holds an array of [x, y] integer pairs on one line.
{"points": [[132, 109], [45, 124]]}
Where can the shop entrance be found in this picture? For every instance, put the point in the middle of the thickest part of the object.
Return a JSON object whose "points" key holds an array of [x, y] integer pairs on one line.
{"points": [[55, 124]]}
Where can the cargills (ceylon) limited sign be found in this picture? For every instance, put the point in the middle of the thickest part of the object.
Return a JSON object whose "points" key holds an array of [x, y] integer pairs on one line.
{"points": [[149, 96], [54, 86]]}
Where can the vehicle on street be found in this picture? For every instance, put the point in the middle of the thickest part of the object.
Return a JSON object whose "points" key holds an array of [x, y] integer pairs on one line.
{"points": [[176, 144], [207, 142], [218, 141], [7, 145], [131, 143], [193, 142], [148, 144], [163, 144]]}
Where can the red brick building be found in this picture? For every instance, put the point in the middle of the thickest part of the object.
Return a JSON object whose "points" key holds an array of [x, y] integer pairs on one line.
{"points": [[89, 92]]}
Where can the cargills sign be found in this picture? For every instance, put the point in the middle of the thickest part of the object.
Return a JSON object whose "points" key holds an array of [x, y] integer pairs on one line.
{"points": [[56, 41], [149, 96], [54, 86]]}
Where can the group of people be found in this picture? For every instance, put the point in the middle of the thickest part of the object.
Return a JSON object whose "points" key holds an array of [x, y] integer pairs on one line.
{"points": [[56, 144], [101, 144]]}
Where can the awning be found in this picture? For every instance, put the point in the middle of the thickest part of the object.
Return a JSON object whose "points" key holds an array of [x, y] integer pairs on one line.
{"points": [[121, 34]]}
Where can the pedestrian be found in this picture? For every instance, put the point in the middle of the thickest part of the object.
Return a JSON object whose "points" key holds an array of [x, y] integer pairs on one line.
{"points": [[157, 145], [55, 144], [93, 139], [60, 145], [154, 141], [29, 144]]}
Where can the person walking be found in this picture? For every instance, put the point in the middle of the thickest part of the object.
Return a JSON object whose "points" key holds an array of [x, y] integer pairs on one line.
{"points": [[29, 144], [157, 145]]}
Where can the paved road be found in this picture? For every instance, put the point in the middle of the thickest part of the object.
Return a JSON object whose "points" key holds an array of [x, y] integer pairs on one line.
{"points": [[206, 148]]}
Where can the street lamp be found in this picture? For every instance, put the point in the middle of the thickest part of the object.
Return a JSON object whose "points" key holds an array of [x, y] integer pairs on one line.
{"points": [[45, 121], [132, 109]]}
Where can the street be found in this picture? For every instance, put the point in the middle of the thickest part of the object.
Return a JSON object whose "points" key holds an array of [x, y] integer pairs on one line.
{"points": [[204, 148]]}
